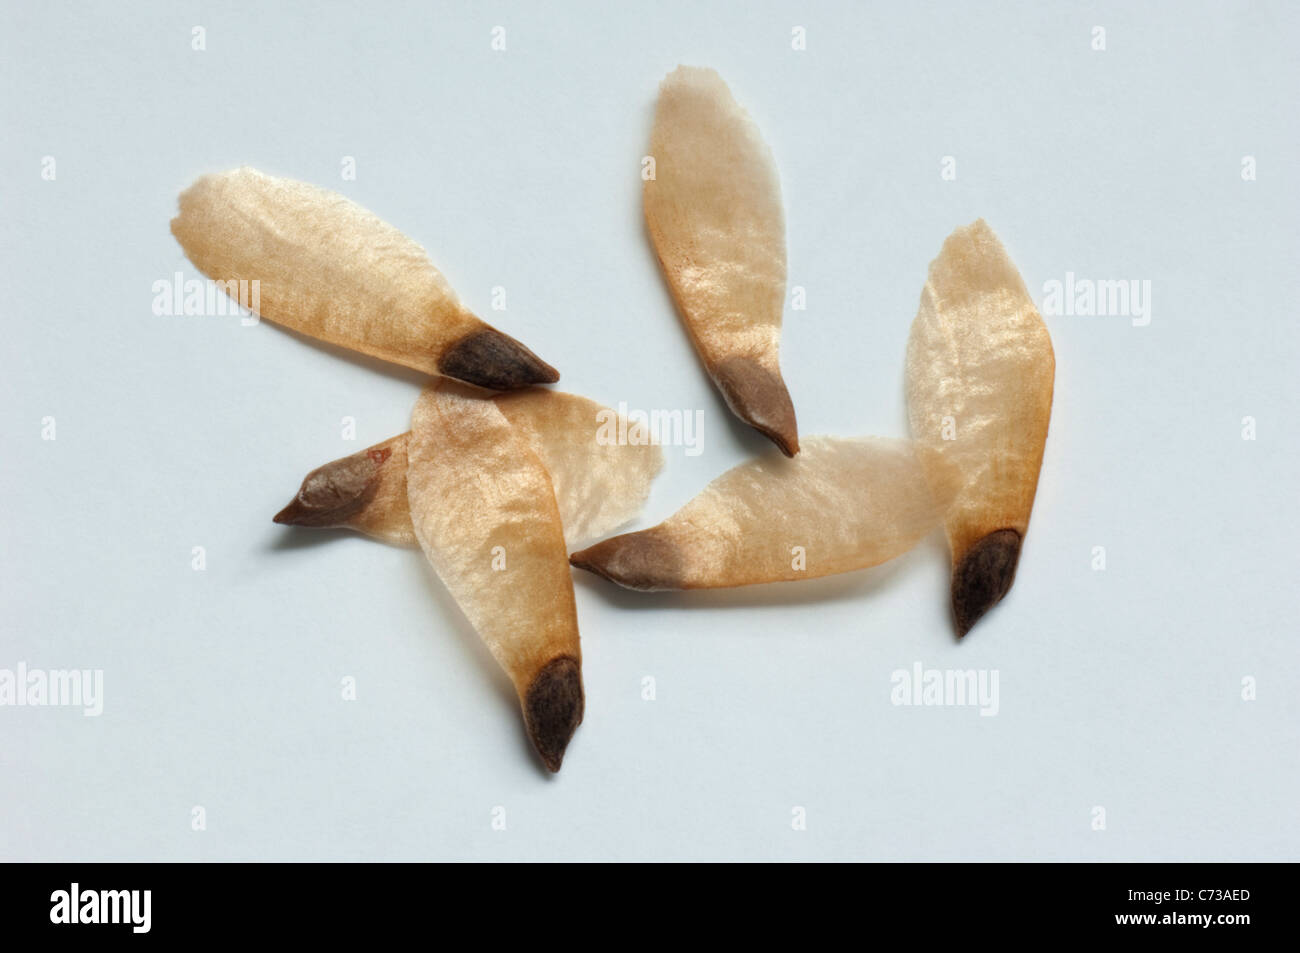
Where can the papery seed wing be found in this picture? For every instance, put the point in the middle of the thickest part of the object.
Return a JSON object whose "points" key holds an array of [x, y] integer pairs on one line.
{"points": [[980, 372], [486, 517], [601, 477], [715, 217], [842, 504], [322, 265]]}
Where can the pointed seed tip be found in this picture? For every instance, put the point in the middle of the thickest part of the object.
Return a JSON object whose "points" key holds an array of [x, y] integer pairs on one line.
{"points": [[289, 514], [592, 560], [553, 708], [647, 561], [786, 443], [760, 398], [983, 576], [489, 358]]}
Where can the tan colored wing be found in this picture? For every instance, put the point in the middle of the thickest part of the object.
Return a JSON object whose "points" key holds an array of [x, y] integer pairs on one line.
{"points": [[326, 267], [840, 505], [486, 517], [716, 221], [599, 484], [980, 370]]}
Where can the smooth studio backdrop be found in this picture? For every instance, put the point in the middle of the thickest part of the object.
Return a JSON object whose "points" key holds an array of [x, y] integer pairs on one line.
{"points": [[1120, 689]]}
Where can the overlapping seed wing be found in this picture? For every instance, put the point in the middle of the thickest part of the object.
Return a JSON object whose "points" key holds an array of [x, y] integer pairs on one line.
{"points": [[599, 483], [486, 517]]}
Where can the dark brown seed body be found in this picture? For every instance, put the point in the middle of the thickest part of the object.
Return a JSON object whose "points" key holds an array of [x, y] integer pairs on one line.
{"points": [[984, 576], [760, 399], [648, 561], [333, 494], [553, 708], [490, 359]]}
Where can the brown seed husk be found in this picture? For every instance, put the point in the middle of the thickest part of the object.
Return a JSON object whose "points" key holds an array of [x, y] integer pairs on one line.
{"points": [[715, 217], [599, 484], [327, 268], [980, 371], [842, 504], [486, 517], [365, 491]]}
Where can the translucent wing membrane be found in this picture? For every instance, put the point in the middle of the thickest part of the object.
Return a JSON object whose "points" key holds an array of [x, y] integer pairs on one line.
{"points": [[980, 371], [485, 515], [318, 263], [840, 505], [715, 217]]}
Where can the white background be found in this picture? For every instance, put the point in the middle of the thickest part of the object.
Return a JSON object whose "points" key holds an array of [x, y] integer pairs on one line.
{"points": [[1120, 689]]}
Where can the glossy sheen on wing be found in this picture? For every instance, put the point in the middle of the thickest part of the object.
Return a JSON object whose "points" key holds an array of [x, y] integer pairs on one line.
{"points": [[328, 268], [715, 218], [599, 483], [845, 503], [980, 370], [486, 518]]}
